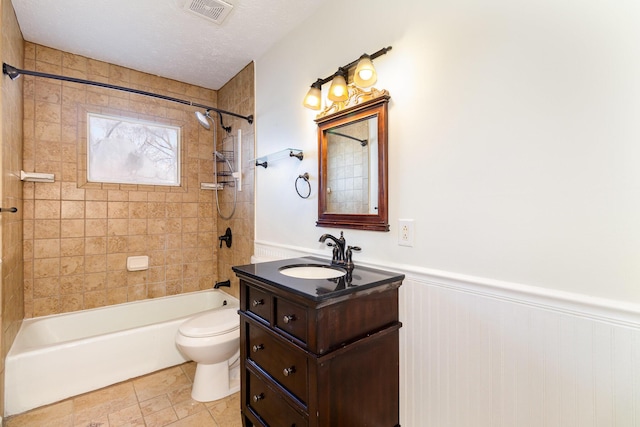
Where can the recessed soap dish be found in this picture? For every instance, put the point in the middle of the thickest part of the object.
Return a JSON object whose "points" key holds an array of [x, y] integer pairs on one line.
{"points": [[138, 263]]}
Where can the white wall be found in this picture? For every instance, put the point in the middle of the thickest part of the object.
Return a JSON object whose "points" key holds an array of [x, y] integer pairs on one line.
{"points": [[515, 146], [514, 137]]}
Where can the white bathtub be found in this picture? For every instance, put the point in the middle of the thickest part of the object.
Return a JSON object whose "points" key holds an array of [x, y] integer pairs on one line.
{"points": [[63, 355]]}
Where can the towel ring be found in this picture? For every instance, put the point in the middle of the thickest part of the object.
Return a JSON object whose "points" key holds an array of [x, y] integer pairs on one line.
{"points": [[304, 176]]}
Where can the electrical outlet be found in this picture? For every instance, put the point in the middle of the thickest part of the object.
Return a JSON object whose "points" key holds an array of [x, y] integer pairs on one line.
{"points": [[405, 232]]}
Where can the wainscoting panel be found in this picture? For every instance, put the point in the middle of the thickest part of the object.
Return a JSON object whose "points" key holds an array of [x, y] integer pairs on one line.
{"points": [[473, 360], [480, 353]]}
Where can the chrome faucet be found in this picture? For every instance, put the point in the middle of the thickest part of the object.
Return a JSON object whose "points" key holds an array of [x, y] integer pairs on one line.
{"points": [[339, 245]]}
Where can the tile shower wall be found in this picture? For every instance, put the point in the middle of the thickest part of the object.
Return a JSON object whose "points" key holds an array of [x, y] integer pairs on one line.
{"points": [[11, 298], [238, 96], [78, 235]]}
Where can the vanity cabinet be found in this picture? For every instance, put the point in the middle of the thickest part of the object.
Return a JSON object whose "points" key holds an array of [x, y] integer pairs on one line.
{"points": [[319, 352]]}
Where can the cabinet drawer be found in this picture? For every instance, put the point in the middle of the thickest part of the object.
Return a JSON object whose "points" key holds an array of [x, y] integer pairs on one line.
{"points": [[258, 302], [285, 363], [269, 406], [291, 318]]}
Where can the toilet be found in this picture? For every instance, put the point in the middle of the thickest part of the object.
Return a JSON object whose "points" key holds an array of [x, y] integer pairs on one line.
{"points": [[212, 340]]}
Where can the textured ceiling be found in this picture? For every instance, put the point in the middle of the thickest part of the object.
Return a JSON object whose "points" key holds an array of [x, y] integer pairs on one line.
{"points": [[160, 37]]}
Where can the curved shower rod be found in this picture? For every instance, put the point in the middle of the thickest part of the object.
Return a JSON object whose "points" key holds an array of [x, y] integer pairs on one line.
{"points": [[14, 73]]}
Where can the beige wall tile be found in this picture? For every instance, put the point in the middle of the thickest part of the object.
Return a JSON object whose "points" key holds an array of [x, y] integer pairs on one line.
{"points": [[46, 248], [72, 209], [79, 234], [71, 228], [72, 285], [96, 209]]}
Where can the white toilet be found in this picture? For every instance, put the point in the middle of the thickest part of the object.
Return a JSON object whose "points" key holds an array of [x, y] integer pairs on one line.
{"points": [[212, 340]]}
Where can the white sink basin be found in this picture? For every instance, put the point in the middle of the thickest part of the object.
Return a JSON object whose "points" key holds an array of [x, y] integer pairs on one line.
{"points": [[312, 271]]}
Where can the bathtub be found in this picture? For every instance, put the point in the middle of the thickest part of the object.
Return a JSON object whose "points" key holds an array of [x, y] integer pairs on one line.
{"points": [[63, 355]]}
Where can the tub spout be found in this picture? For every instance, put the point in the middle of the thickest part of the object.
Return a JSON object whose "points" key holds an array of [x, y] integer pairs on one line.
{"points": [[226, 283]]}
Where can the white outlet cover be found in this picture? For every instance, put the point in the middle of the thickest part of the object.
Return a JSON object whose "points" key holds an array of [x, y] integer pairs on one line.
{"points": [[406, 232]]}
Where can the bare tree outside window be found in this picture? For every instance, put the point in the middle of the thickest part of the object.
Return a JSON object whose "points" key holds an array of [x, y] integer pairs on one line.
{"points": [[129, 151]]}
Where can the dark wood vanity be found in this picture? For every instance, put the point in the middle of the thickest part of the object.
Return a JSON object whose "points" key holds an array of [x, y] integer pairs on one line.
{"points": [[319, 352]]}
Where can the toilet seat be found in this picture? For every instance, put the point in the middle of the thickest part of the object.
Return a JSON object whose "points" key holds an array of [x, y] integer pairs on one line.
{"points": [[211, 323]]}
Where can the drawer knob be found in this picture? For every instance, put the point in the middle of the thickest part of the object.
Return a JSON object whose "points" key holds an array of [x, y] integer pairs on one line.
{"points": [[258, 397], [288, 318], [257, 348], [257, 302], [289, 371]]}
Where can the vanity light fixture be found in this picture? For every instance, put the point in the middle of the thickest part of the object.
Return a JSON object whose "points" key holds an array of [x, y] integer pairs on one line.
{"points": [[364, 76]]}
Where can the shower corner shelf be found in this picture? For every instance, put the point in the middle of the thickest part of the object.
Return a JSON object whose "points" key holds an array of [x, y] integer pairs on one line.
{"points": [[287, 152]]}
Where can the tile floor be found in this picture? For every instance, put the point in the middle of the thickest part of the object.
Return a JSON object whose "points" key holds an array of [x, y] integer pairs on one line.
{"points": [[161, 398]]}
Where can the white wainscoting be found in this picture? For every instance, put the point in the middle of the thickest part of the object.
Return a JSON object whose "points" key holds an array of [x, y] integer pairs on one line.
{"points": [[480, 353]]}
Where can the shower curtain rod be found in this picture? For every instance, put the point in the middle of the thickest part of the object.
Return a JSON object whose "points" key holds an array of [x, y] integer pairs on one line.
{"points": [[14, 73]]}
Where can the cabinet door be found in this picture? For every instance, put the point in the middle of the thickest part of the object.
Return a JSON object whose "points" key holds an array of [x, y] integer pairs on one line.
{"points": [[361, 386]]}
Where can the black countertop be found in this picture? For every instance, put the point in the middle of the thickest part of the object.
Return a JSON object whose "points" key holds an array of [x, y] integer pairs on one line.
{"points": [[356, 279]]}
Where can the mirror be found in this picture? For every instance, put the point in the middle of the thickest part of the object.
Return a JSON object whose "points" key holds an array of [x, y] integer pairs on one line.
{"points": [[352, 142]]}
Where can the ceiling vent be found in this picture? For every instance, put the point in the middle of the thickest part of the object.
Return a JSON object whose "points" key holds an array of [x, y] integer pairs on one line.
{"points": [[213, 10]]}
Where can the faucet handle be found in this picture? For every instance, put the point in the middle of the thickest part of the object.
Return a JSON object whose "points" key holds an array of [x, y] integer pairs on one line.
{"points": [[349, 254]]}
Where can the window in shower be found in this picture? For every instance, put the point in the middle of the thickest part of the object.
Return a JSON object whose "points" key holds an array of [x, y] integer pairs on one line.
{"points": [[130, 151]]}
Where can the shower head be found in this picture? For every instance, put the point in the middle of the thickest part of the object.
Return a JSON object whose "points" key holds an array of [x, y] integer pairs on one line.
{"points": [[202, 118]]}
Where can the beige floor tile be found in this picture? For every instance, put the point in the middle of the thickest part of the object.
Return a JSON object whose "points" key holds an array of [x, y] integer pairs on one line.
{"points": [[160, 382], [229, 404], [92, 415], [57, 414], [229, 420], [189, 370], [134, 423], [187, 408], [226, 412], [155, 404], [98, 404], [116, 392], [201, 419], [161, 418], [180, 394], [159, 399], [125, 416], [96, 422]]}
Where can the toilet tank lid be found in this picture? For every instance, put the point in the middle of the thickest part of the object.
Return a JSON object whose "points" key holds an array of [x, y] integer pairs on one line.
{"points": [[210, 323]]}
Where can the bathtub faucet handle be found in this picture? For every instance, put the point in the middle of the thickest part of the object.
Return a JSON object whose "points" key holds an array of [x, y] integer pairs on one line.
{"points": [[226, 237]]}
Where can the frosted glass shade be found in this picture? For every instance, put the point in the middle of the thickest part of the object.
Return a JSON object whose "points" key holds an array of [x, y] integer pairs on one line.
{"points": [[365, 74], [313, 99], [338, 90]]}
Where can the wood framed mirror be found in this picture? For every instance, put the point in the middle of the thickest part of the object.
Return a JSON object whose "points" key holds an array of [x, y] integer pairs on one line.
{"points": [[352, 147]]}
